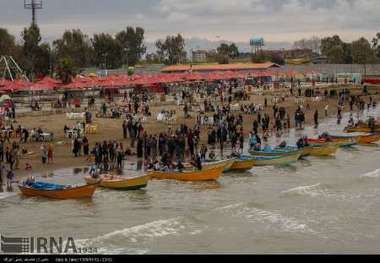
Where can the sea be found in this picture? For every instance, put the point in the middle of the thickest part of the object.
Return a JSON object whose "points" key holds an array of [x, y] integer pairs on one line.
{"points": [[317, 205]]}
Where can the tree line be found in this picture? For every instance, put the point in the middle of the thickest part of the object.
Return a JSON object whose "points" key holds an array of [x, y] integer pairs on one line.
{"points": [[74, 50]]}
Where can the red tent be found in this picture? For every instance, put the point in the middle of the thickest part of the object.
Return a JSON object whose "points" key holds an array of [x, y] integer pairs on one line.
{"points": [[11, 86]]}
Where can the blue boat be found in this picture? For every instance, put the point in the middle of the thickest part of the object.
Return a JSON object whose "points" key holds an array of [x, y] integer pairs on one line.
{"points": [[273, 160], [277, 151]]}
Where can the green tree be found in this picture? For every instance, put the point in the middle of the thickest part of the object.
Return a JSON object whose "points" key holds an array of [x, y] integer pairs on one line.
{"points": [[107, 51], [66, 70], [76, 46], [362, 52], [132, 43], [376, 45], [226, 52], [335, 54], [152, 58], [259, 57], [172, 50], [7, 43], [36, 55]]}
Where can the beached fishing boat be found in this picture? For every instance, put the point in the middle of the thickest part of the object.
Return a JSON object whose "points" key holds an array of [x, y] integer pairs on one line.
{"points": [[214, 164], [119, 182], [344, 142], [187, 175], [360, 138], [320, 150], [361, 129], [368, 139], [242, 164], [57, 191], [277, 151], [275, 160]]}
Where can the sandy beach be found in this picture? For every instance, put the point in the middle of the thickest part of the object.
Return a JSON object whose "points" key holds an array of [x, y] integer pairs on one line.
{"points": [[111, 129]]}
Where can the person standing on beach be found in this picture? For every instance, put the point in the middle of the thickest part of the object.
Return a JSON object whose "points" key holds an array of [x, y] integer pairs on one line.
{"points": [[1, 150], [76, 147], [44, 153], [255, 126], [316, 119], [85, 146], [339, 115], [125, 129], [241, 141], [50, 153]]}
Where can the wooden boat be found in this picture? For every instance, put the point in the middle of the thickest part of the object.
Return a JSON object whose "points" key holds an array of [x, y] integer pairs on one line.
{"points": [[320, 150], [360, 138], [277, 151], [276, 160], [242, 164], [344, 142], [361, 129], [225, 163], [119, 182], [67, 192], [187, 175], [368, 139]]}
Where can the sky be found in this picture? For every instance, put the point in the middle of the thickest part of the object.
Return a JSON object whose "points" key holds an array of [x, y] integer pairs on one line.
{"points": [[234, 20]]}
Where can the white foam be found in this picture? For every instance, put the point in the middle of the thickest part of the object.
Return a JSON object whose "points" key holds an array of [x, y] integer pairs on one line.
{"points": [[286, 224], [309, 190], [5, 195], [153, 229], [373, 174], [141, 233]]}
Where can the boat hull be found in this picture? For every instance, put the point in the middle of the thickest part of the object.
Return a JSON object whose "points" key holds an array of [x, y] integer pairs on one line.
{"points": [[202, 175], [226, 164], [278, 160], [320, 150], [275, 152], [343, 142], [242, 165], [86, 191], [120, 183], [368, 139], [361, 129], [361, 139]]}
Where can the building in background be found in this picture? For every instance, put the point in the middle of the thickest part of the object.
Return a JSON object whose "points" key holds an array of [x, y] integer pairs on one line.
{"points": [[219, 67], [199, 56]]}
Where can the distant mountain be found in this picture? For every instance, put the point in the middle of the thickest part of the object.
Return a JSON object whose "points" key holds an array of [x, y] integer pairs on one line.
{"points": [[203, 43]]}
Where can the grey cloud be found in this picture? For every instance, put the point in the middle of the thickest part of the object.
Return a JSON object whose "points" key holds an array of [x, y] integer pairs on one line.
{"points": [[277, 20]]}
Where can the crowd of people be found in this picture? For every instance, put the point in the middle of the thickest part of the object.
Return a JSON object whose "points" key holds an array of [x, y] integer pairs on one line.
{"points": [[174, 148]]}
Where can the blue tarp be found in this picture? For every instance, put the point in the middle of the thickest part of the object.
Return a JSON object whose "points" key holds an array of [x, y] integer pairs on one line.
{"points": [[47, 186]]}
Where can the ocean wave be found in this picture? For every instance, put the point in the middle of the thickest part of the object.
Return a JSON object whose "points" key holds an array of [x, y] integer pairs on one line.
{"points": [[252, 214], [141, 233], [373, 174], [309, 190]]}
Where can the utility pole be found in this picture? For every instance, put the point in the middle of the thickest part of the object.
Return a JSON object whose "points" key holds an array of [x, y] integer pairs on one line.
{"points": [[33, 5]]}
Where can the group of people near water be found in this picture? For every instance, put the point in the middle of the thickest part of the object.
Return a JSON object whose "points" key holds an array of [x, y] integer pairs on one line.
{"points": [[170, 149]]}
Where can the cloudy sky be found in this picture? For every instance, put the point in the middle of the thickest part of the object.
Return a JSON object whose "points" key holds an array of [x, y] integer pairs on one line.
{"points": [[236, 20]]}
